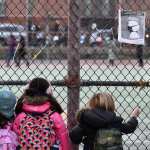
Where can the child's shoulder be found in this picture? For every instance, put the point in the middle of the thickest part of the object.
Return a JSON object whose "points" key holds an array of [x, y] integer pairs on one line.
{"points": [[83, 110]]}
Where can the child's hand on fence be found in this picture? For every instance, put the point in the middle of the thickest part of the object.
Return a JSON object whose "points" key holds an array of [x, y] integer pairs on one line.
{"points": [[135, 112]]}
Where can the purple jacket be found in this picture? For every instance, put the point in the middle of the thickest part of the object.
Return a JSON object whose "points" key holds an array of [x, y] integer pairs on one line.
{"points": [[8, 138]]}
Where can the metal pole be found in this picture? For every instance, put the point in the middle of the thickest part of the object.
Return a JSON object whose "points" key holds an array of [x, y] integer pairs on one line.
{"points": [[73, 80], [30, 4]]}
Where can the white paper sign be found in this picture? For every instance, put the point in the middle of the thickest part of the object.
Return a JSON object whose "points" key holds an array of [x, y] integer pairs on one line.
{"points": [[131, 27]]}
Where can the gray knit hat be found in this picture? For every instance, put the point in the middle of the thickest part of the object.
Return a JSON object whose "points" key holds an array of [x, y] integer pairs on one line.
{"points": [[7, 103]]}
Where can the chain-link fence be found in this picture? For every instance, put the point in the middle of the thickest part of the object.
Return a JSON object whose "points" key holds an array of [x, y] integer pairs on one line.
{"points": [[73, 44]]}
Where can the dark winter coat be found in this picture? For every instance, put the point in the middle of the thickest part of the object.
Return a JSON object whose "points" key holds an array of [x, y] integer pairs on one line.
{"points": [[92, 120]]}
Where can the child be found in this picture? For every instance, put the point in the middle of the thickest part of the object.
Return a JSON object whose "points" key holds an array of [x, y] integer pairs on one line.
{"points": [[111, 54], [98, 116], [139, 53], [39, 124], [99, 40], [8, 139], [82, 38]]}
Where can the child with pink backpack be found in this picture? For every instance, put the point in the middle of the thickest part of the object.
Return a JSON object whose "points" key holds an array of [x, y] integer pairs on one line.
{"points": [[8, 138], [39, 123]]}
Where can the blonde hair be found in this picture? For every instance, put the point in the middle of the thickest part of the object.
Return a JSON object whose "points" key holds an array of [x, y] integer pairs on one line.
{"points": [[102, 100]]}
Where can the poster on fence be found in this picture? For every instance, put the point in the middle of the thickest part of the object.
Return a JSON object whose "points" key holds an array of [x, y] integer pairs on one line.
{"points": [[131, 27]]}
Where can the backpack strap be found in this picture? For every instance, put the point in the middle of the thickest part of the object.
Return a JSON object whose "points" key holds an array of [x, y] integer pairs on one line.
{"points": [[50, 112], [17, 122]]}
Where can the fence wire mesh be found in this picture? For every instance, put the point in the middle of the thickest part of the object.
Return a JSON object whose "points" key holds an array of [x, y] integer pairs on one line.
{"points": [[56, 34]]}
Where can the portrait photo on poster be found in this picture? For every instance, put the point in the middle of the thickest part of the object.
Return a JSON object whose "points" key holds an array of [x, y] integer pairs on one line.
{"points": [[131, 27]]}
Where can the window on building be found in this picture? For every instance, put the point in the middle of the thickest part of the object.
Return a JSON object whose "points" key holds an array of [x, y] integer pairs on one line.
{"points": [[2, 7]]}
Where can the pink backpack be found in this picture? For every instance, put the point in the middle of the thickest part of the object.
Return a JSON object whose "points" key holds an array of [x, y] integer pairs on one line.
{"points": [[8, 140], [37, 132]]}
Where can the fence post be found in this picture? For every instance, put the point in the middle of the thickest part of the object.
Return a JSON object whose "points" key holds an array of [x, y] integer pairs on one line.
{"points": [[30, 5], [73, 64]]}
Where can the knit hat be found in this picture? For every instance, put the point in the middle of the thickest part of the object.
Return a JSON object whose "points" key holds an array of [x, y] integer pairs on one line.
{"points": [[7, 103], [38, 87]]}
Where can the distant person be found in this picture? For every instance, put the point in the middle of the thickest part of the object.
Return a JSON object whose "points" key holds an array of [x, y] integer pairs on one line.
{"points": [[82, 38], [8, 138], [56, 40], [39, 123], [99, 40], [33, 34], [21, 52], [40, 38], [111, 56], [48, 43], [93, 38], [11, 42], [110, 43], [48, 40], [93, 35], [98, 126], [139, 53], [56, 26], [63, 39]]}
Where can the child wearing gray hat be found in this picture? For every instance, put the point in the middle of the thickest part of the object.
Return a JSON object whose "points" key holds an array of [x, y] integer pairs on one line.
{"points": [[8, 138]]}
